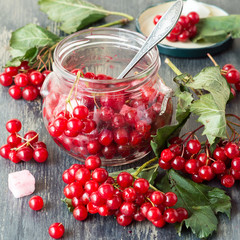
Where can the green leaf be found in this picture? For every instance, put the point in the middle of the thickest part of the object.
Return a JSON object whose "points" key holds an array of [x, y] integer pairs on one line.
{"points": [[211, 116], [217, 29], [211, 80], [26, 42], [31, 36], [68, 203], [201, 201], [159, 141], [72, 14]]}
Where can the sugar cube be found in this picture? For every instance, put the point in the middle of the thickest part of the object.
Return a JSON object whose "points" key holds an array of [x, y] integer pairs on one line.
{"points": [[21, 183]]}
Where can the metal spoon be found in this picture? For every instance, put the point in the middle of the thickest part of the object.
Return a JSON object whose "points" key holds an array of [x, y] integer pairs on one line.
{"points": [[161, 30]]}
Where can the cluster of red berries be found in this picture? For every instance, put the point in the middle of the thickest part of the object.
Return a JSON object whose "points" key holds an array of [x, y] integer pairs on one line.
{"points": [[27, 81], [224, 162], [185, 28], [91, 190], [16, 151], [110, 125], [232, 76]]}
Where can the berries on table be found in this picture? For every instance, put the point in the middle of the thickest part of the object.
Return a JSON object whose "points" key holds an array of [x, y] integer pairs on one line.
{"points": [[36, 203], [56, 230], [24, 148]]}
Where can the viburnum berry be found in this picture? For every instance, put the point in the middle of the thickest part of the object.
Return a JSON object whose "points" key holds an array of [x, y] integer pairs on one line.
{"points": [[231, 150], [170, 215], [114, 203], [167, 155], [6, 79], [128, 209], [218, 167], [106, 190], [157, 197], [67, 177], [15, 92], [141, 185], [171, 199], [129, 194], [80, 112], [182, 214], [191, 166], [92, 162], [154, 214], [124, 220], [40, 154], [159, 223], [193, 146], [178, 163], [36, 78], [100, 175], [56, 230], [13, 125], [206, 173], [232, 76], [156, 19], [235, 164], [227, 181], [80, 213], [124, 179], [30, 93], [82, 175], [12, 71], [36, 203]]}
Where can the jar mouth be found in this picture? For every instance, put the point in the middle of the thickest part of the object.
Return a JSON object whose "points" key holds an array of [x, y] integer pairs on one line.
{"points": [[86, 37]]}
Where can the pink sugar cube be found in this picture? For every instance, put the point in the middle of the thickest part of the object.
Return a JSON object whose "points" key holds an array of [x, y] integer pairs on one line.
{"points": [[21, 183]]}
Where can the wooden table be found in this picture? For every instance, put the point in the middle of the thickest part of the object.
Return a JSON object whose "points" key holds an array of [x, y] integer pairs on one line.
{"points": [[17, 220]]}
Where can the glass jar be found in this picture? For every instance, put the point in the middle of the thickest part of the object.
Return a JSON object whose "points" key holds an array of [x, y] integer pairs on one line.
{"points": [[119, 115]]}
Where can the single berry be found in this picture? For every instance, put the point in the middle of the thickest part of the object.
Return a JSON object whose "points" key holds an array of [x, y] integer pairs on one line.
{"points": [[167, 155], [206, 173], [171, 199], [106, 190], [92, 162], [233, 76], [170, 215], [36, 203], [193, 18], [231, 150], [100, 175], [191, 166], [129, 194], [157, 197], [6, 79], [21, 80], [13, 125], [40, 154], [36, 78], [156, 19], [56, 230], [154, 214], [227, 181], [193, 146], [141, 185], [30, 93], [182, 214], [80, 213], [124, 179], [80, 112], [15, 92]]}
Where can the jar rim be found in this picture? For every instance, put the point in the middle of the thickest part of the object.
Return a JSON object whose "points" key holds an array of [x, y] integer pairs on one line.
{"points": [[70, 77]]}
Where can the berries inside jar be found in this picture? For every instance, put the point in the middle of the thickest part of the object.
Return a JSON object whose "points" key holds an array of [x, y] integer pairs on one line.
{"points": [[89, 112]]}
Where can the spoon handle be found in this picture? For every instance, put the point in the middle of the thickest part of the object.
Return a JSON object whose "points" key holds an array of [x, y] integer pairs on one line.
{"points": [[161, 30]]}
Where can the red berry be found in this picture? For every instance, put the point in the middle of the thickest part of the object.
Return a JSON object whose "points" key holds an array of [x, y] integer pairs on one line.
{"points": [[171, 37], [21, 80], [158, 197], [218, 167], [141, 185], [105, 137], [15, 92], [53, 131], [164, 165], [14, 140], [31, 137], [94, 147], [106, 114], [135, 138], [128, 209], [123, 220], [191, 166], [97, 199], [91, 186], [233, 76], [193, 18], [24, 65], [231, 150], [74, 125], [192, 31], [178, 163], [82, 175], [138, 216], [25, 154], [219, 154], [67, 177], [227, 181], [170, 215], [80, 112], [30, 93], [6, 79], [129, 194], [184, 21], [106, 190], [56, 230], [227, 67], [36, 203], [91, 208], [203, 159], [13, 125], [92, 162], [184, 36], [121, 136], [193, 146], [177, 29], [154, 214], [118, 120], [5, 150], [80, 213], [182, 214], [103, 211], [171, 199], [100, 175], [167, 155], [156, 19], [40, 154], [144, 208], [114, 203], [60, 123], [235, 164], [109, 151], [36, 78], [12, 71], [159, 223], [124, 179], [206, 173], [13, 157]]}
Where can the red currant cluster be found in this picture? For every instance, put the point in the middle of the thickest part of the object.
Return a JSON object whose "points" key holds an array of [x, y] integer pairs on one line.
{"points": [[27, 81], [110, 125], [185, 28], [92, 190], [232, 76], [224, 162], [16, 151]]}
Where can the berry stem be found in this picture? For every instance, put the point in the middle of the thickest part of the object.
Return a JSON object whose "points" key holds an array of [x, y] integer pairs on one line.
{"points": [[153, 166], [143, 166], [191, 133], [73, 86], [212, 59], [26, 143]]}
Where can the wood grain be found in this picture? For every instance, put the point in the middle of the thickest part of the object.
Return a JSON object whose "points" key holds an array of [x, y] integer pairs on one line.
{"points": [[17, 220]]}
